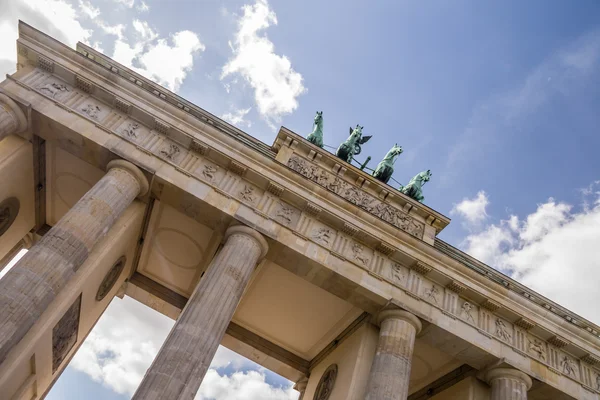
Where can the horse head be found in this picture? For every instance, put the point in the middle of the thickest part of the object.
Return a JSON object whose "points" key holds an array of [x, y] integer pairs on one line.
{"points": [[396, 150], [318, 117], [355, 133], [426, 176]]}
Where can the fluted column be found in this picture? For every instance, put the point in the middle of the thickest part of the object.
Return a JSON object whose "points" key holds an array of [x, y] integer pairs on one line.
{"points": [[508, 384], [32, 284], [182, 362], [12, 119], [301, 387], [390, 371]]}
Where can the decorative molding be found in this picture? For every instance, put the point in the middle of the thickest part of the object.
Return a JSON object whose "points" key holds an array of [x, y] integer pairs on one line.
{"points": [[558, 341], [312, 209], [357, 196], [122, 105], [83, 84], [421, 268], [490, 305], [237, 168], [456, 287], [161, 126], [275, 189], [349, 230], [199, 147], [385, 248], [525, 324], [591, 359], [46, 64]]}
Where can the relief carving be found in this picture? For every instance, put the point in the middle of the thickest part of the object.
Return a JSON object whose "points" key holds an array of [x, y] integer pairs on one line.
{"points": [[358, 197], [358, 253], [326, 384], [53, 89], [432, 293], [91, 111], [111, 277], [466, 311], [568, 366], [248, 194], [131, 130], [597, 381], [322, 235], [9, 209], [502, 331], [537, 348], [209, 171], [285, 213], [397, 274], [64, 334], [170, 152]]}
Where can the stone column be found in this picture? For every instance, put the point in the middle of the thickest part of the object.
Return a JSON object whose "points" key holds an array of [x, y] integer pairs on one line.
{"points": [[390, 371], [301, 387], [32, 284], [508, 384], [12, 119], [24, 243], [182, 362]]}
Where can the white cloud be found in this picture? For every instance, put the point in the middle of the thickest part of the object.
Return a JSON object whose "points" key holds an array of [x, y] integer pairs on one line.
{"points": [[150, 60], [561, 76], [126, 3], [473, 210], [553, 250], [248, 385], [236, 117], [56, 18], [144, 30], [116, 30], [88, 9], [143, 7], [276, 84]]}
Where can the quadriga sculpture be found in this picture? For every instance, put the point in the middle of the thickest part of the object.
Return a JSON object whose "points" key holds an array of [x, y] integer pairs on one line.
{"points": [[414, 188], [351, 147], [316, 136], [385, 168]]}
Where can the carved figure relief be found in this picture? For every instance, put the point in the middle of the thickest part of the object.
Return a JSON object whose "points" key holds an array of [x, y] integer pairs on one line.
{"points": [[597, 381], [358, 254], [131, 130], [432, 294], [64, 334], [466, 311], [9, 209], [356, 196], [247, 193], [91, 110], [209, 171], [53, 89], [322, 235], [111, 277], [326, 384], [568, 366], [397, 274], [170, 152], [537, 348], [285, 213], [502, 331]]}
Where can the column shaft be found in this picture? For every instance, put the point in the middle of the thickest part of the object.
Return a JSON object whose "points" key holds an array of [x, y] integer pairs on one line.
{"points": [[32, 284], [12, 119], [184, 358], [390, 372], [508, 384]]}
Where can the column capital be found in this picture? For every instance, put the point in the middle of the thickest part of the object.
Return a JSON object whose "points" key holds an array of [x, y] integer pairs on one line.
{"points": [[133, 170], [10, 106], [401, 315], [301, 385], [508, 373], [244, 230]]}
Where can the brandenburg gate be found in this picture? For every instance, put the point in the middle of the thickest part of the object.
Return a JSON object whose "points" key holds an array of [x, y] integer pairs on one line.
{"points": [[286, 254]]}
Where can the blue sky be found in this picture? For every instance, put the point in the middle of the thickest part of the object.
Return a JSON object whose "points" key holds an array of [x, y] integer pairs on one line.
{"points": [[499, 99]]}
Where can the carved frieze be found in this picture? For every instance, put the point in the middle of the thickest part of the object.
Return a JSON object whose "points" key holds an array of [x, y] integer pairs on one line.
{"points": [[568, 366], [432, 294], [170, 151], [54, 90], [286, 214], [537, 348], [466, 312], [357, 196], [502, 330], [360, 254]]}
